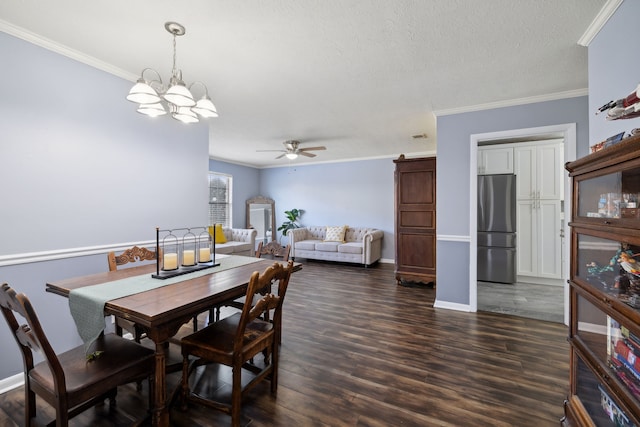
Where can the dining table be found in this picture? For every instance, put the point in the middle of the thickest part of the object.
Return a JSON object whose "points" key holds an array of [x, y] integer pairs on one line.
{"points": [[162, 310]]}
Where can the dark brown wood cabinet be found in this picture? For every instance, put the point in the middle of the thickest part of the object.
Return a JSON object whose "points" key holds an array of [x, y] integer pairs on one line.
{"points": [[604, 305], [415, 219]]}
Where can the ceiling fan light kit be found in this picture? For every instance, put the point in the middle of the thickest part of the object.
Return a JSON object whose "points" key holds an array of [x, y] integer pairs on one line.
{"points": [[292, 150], [155, 99]]}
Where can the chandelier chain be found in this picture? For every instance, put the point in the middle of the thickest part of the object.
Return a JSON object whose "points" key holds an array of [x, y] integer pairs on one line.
{"points": [[174, 53]]}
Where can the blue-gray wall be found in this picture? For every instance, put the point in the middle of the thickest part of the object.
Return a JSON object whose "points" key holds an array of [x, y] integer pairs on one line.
{"points": [[358, 194], [453, 178], [246, 184], [82, 171], [613, 69]]}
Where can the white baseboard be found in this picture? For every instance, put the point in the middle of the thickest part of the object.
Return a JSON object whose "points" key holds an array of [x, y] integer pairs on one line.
{"points": [[451, 306], [12, 382], [593, 328]]}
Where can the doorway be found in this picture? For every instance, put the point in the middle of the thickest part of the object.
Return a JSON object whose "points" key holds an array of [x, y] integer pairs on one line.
{"points": [[521, 297]]}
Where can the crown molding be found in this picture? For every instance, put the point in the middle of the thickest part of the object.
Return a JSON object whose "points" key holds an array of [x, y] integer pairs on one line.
{"points": [[48, 44], [598, 22], [511, 102]]}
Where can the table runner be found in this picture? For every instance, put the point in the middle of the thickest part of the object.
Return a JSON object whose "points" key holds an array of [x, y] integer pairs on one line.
{"points": [[87, 304]]}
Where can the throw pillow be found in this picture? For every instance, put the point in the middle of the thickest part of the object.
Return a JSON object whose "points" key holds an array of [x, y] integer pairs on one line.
{"points": [[219, 235], [335, 233]]}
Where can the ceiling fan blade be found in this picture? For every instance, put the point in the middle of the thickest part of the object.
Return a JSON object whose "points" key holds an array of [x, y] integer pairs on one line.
{"points": [[312, 148], [302, 153], [281, 156], [264, 151]]}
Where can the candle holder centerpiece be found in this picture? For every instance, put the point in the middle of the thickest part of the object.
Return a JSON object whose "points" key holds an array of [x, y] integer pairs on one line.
{"points": [[184, 250], [204, 247], [170, 252]]}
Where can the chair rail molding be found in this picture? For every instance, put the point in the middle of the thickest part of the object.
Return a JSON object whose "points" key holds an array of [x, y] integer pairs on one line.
{"points": [[29, 257], [453, 238]]}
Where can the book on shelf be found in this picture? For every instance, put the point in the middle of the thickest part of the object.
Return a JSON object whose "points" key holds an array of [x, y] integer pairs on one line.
{"points": [[613, 411], [623, 352]]}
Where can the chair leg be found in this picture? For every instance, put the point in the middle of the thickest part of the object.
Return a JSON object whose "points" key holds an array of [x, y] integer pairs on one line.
{"points": [[62, 414], [152, 393], [274, 367], [184, 395], [112, 397], [236, 395], [29, 403]]}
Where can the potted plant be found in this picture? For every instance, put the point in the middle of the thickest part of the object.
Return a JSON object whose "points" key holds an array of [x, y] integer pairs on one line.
{"points": [[290, 224]]}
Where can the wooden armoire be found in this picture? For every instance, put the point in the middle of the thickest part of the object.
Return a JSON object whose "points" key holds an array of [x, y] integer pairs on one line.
{"points": [[415, 219]]}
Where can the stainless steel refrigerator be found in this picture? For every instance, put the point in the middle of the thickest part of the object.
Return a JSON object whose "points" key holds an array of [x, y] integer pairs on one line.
{"points": [[497, 228]]}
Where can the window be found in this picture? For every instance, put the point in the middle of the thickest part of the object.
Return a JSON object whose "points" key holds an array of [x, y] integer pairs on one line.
{"points": [[220, 199]]}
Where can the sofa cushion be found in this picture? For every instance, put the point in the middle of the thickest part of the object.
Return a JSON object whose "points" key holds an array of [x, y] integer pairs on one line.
{"points": [[232, 247], [327, 246], [307, 245], [335, 233], [350, 248], [219, 233]]}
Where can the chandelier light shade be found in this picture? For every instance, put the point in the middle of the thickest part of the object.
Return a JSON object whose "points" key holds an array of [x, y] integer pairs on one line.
{"points": [[291, 156], [154, 99], [152, 110]]}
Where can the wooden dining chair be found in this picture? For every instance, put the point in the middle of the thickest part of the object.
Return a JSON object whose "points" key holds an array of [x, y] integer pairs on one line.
{"points": [[71, 382], [133, 254], [271, 250], [235, 340]]}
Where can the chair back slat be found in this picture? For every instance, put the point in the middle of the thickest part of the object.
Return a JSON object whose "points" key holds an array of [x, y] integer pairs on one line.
{"points": [[273, 250], [266, 303], [27, 338], [133, 254]]}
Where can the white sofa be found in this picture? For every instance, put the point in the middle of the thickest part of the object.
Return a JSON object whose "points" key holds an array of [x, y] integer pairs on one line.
{"points": [[361, 245], [240, 241]]}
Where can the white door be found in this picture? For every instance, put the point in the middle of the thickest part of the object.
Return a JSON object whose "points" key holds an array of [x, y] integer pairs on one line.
{"points": [[526, 238], [549, 171], [525, 167], [549, 241]]}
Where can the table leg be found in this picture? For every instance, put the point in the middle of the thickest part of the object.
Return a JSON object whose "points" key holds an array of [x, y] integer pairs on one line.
{"points": [[160, 415]]}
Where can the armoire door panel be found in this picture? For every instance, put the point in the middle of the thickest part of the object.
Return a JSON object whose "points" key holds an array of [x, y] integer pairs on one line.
{"points": [[418, 250], [417, 219], [413, 185]]}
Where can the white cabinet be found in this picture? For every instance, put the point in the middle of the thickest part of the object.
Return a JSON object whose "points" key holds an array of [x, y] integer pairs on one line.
{"points": [[539, 224], [495, 160], [539, 192], [539, 170]]}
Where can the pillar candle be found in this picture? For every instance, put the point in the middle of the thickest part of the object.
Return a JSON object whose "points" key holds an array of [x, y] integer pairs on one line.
{"points": [[188, 257], [170, 261], [205, 254]]}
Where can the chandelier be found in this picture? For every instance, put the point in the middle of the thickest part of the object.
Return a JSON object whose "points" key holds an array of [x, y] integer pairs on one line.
{"points": [[154, 99]]}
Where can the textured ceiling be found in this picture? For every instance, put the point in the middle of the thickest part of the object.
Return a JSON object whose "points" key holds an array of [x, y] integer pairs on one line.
{"points": [[357, 76]]}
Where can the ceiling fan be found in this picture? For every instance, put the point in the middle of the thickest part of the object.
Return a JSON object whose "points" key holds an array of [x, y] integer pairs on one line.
{"points": [[292, 150]]}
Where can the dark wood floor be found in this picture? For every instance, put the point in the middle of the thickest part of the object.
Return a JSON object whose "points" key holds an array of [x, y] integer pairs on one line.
{"points": [[358, 350]]}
